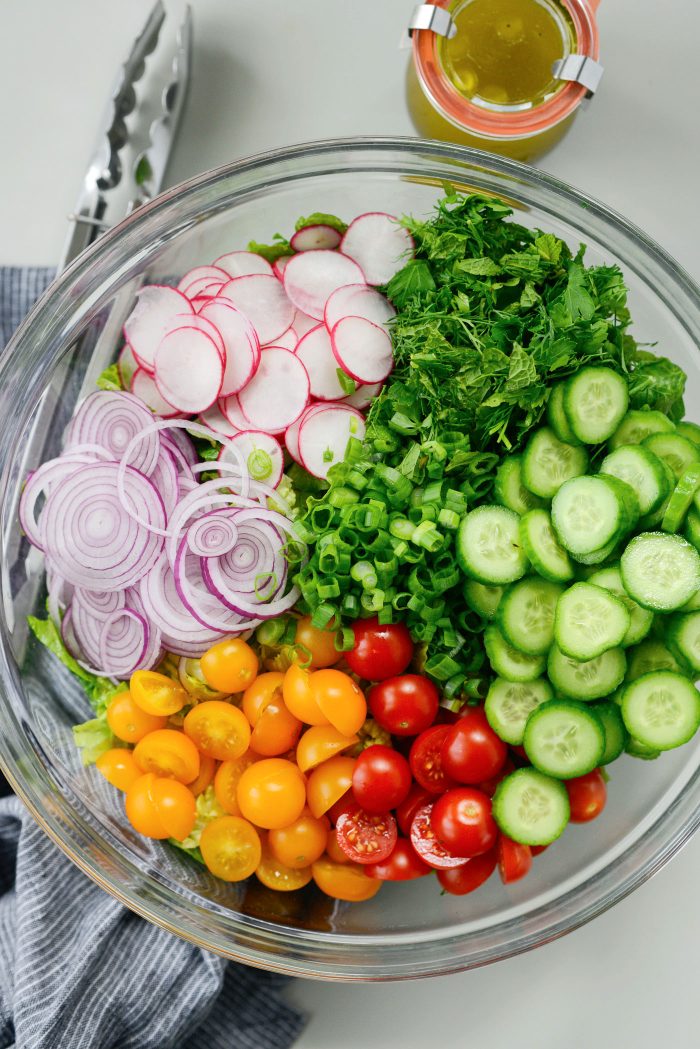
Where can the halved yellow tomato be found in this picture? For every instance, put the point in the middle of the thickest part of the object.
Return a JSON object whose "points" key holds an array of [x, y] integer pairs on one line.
{"points": [[319, 743], [339, 699]]}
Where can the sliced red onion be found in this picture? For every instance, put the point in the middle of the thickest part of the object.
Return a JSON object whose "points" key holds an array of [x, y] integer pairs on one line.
{"points": [[199, 601], [68, 634], [182, 465], [59, 595], [166, 481], [178, 436], [100, 603], [200, 500], [85, 628], [213, 534], [123, 643], [42, 482], [162, 603], [111, 419]]}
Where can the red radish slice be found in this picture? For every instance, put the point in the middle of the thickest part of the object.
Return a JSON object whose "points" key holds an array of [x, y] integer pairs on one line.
{"points": [[199, 301], [215, 419], [243, 264], [264, 302], [189, 370], [291, 434], [358, 300], [231, 410], [288, 341], [151, 318], [303, 323], [241, 346], [362, 349], [324, 436], [197, 280], [261, 453], [126, 365], [279, 264], [311, 277], [363, 395], [315, 238], [143, 386], [203, 324], [379, 245], [278, 392], [316, 354]]}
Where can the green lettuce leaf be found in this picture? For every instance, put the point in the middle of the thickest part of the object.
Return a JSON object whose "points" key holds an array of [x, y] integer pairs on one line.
{"points": [[110, 379], [320, 218], [100, 690], [272, 252], [93, 738]]}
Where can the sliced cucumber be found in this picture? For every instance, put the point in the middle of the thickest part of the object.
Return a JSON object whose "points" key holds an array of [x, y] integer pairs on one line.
{"points": [[640, 618], [650, 655], [673, 449], [616, 735], [587, 515], [564, 739], [531, 808], [595, 402], [689, 430], [542, 548], [488, 546], [482, 599], [681, 499], [637, 425], [589, 620], [635, 749], [591, 679], [683, 638], [509, 704], [507, 661], [607, 553], [556, 416], [628, 500], [508, 487], [661, 709], [549, 462], [526, 614], [642, 470], [691, 529], [660, 571], [693, 605]]}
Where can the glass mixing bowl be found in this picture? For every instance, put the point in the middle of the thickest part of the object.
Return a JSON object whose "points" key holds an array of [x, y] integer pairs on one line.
{"points": [[409, 929]]}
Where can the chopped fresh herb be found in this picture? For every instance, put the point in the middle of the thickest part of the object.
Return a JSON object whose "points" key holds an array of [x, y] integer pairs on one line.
{"points": [[272, 252], [320, 218]]}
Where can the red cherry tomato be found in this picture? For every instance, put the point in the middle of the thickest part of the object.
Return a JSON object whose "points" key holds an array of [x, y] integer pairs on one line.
{"points": [[425, 759], [460, 880], [404, 705], [463, 823], [521, 756], [489, 785], [426, 844], [345, 804], [417, 799], [537, 849], [381, 779], [366, 838], [403, 864], [587, 796], [514, 860], [381, 651], [472, 751]]}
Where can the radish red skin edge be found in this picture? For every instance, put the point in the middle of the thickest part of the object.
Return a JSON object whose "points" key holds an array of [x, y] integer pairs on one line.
{"points": [[362, 349], [378, 244]]}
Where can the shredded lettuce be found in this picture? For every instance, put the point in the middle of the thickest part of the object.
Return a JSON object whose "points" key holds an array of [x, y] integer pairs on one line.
{"points": [[320, 218], [93, 738], [110, 379], [100, 690], [208, 809]]}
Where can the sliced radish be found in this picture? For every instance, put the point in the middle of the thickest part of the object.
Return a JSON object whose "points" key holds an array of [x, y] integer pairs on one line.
{"points": [[143, 386], [288, 341], [261, 453], [358, 300], [263, 300], [243, 264], [199, 301], [291, 434], [231, 410], [324, 436], [316, 238], [278, 392], [150, 318], [363, 395], [189, 370], [303, 323], [126, 365], [362, 349], [311, 277], [215, 419], [316, 354], [203, 324], [378, 244], [241, 345], [198, 280], [278, 266]]}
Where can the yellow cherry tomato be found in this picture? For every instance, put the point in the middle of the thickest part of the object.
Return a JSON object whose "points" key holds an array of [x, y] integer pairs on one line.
{"points": [[218, 729], [276, 875], [118, 767], [272, 793], [229, 666], [207, 770], [339, 700], [128, 721], [169, 753], [230, 848], [300, 843], [328, 783], [226, 782], [175, 806], [157, 694], [319, 643], [298, 699], [344, 881], [275, 729], [141, 809], [333, 849], [319, 743]]}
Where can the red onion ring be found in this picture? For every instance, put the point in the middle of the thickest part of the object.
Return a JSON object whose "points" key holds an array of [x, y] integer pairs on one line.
{"points": [[111, 419], [123, 643], [212, 534], [164, 607]]}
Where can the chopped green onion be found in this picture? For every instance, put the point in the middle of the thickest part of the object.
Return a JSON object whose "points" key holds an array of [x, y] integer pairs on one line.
{"points": [[449, 518], [344, 639], [322, 616]]}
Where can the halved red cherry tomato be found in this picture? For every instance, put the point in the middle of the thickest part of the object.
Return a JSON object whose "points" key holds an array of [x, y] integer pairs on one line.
{"points": [[463, 823], [403, 864], [426, 844], [417, 799], [587, 796], [460, 880], [381, 779], [537, 849], [380, 651], [345, 803], [425, 759], [472, 751], [404, 705], [366, 838], [514, 860]]}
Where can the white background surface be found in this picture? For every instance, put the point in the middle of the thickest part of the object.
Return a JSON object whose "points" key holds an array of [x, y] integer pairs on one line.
{"points": [[268, 74]]}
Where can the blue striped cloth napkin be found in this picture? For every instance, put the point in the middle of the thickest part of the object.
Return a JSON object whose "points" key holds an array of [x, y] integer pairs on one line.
{"points": [[80, 971]]}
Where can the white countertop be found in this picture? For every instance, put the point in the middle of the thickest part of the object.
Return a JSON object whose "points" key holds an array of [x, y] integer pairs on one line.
{"points": [[270, 74]]}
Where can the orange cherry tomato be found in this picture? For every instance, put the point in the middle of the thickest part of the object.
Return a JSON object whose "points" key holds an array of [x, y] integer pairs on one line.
{"points": [[319, 743], [275, 729], [264, 690], [118, 767], [298, 699], [157, 694], [218, 729], [328, 783], [141, 809], [128, 721], [207, 769], [170, 753], [333, 849], [319, 643], [226, 782], [344, 881], [276, 875], [272, 793], [175, 806], [229, 666], [300, 843], [339, 699], [231, 848]]}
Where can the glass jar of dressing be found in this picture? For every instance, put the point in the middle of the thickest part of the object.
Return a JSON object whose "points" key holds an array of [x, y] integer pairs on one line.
{"points": [[507, 76]]}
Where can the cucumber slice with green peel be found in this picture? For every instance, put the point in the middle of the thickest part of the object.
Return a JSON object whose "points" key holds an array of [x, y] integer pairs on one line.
{"points": [[660, 571], [530, 807], [681, 499], [556, 416], [542, 548], [691, 528], [643, 471], [641, 619], [628, 499], [508, 662], [693, 605], [588, 514], [650, 655], [638, 424], [508, 487], [548, 462], [525, 615], [673, 449], [590, 679], [488, 546], [588, 621], [595, 402], [509, 704], [661, 709], [609, 552], [635, 749], [482, 599], [689, 430], [683, 639], [564, 739], [616, 735]]}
